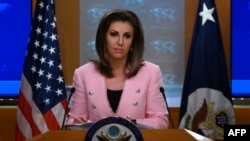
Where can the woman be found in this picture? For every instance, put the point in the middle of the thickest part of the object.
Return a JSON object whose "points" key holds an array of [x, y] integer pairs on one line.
{"points": [[120, 83]]}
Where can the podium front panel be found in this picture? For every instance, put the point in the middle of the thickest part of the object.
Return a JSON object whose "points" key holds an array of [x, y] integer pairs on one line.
{"points": [[148, 135]]}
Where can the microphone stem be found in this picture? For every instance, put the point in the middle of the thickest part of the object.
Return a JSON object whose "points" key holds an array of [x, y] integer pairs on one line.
{"points": [[169, 115], [67, 107]]}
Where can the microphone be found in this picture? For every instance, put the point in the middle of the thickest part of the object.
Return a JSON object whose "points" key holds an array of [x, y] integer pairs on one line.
{"points": [[72, 90], [164, 96]]}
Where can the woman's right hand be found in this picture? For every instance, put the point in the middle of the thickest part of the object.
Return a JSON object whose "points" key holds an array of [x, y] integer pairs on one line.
{"points": [[80, 120]]}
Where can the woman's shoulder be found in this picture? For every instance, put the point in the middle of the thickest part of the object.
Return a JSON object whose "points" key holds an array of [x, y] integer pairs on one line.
{"points": [[150, 67], [89, 66], [149, 64]]}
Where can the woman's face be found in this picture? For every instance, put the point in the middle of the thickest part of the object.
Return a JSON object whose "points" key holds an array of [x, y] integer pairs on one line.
{"points": [[119, 40]]}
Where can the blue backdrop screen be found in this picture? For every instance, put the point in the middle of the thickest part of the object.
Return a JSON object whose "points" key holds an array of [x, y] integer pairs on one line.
{"points": [[240, 51], [15, 25]]}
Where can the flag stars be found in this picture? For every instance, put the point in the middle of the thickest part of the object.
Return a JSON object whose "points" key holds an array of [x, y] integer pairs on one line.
{"points": [[60, 79], [41, 72], [51, 63], [53, 24], [206, 14], [37, 44], [49, 76], [38, 30], [46, 21], [38, 85], [45, 34], [41, 4], [47, 7], [44, 47], [53, 37], [52, 50], [60, 66], [48, 88], [42, 60], [40, 18], [35, 56], [47, 101], [33, 69], [59, 92]]}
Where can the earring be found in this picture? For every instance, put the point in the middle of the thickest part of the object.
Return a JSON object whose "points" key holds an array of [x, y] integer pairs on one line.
{"points": [[131, 49]]}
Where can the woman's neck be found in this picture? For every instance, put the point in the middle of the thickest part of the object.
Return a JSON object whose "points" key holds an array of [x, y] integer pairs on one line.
{"points": [[118, 68]]}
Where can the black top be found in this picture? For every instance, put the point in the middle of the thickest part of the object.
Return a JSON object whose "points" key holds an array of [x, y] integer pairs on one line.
{"points": [[114, 97]]}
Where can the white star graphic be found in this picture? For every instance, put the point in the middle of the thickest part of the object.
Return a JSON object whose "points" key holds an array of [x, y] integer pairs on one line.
{"points": [[45, 34], [60, 66], [35, 56], [41, 5], [42, 60], [48, 88], [60, 79], [38, 30], [37, 43], [51, 63], [38, 85], [49, 76], [33, 69], [40, 18], [47, 101], [53, 24], [44, 47], [59, 92], [53, 37], [206, 14], [52, 50], [40, 72]]}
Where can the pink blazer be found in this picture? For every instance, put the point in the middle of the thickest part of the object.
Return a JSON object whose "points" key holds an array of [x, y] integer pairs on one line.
{"points": [[141, 98]]}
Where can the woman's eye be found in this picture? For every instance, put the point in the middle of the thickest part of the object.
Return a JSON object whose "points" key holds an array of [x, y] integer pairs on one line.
{"points": [[113, 34], [127, 36]]}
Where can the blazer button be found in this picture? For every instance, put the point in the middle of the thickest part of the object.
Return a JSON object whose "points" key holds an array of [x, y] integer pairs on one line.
{"points": [[137, 90], [93, 106], [128, 117], [135, 103], [91, 93]]}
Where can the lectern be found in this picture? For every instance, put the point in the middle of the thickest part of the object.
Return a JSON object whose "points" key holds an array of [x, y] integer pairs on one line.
{"points": [[148, 135], [116, 128]]}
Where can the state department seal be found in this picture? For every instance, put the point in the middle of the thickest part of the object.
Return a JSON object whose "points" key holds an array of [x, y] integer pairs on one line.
{"points": [[113, 129]]}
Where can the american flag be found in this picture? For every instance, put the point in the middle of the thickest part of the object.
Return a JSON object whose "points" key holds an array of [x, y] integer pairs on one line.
{"points": [[206, 104], [42, 97]]}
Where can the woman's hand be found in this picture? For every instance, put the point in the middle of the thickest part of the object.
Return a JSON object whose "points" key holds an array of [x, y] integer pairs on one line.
{"points": [[80, 120]]}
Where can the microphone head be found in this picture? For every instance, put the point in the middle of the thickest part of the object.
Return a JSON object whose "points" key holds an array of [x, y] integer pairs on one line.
{"points": [[72, 90], [161, 89]]}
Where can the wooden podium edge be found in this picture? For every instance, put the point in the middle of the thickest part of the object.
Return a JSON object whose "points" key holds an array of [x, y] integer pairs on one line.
{"points": [[148, 135]]}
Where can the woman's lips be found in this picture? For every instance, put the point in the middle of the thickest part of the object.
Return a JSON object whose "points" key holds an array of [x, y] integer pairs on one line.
{"points": [[118, 50]]}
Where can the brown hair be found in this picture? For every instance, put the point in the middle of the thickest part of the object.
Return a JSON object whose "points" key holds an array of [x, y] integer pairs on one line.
{"points": [[134, 60]]}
